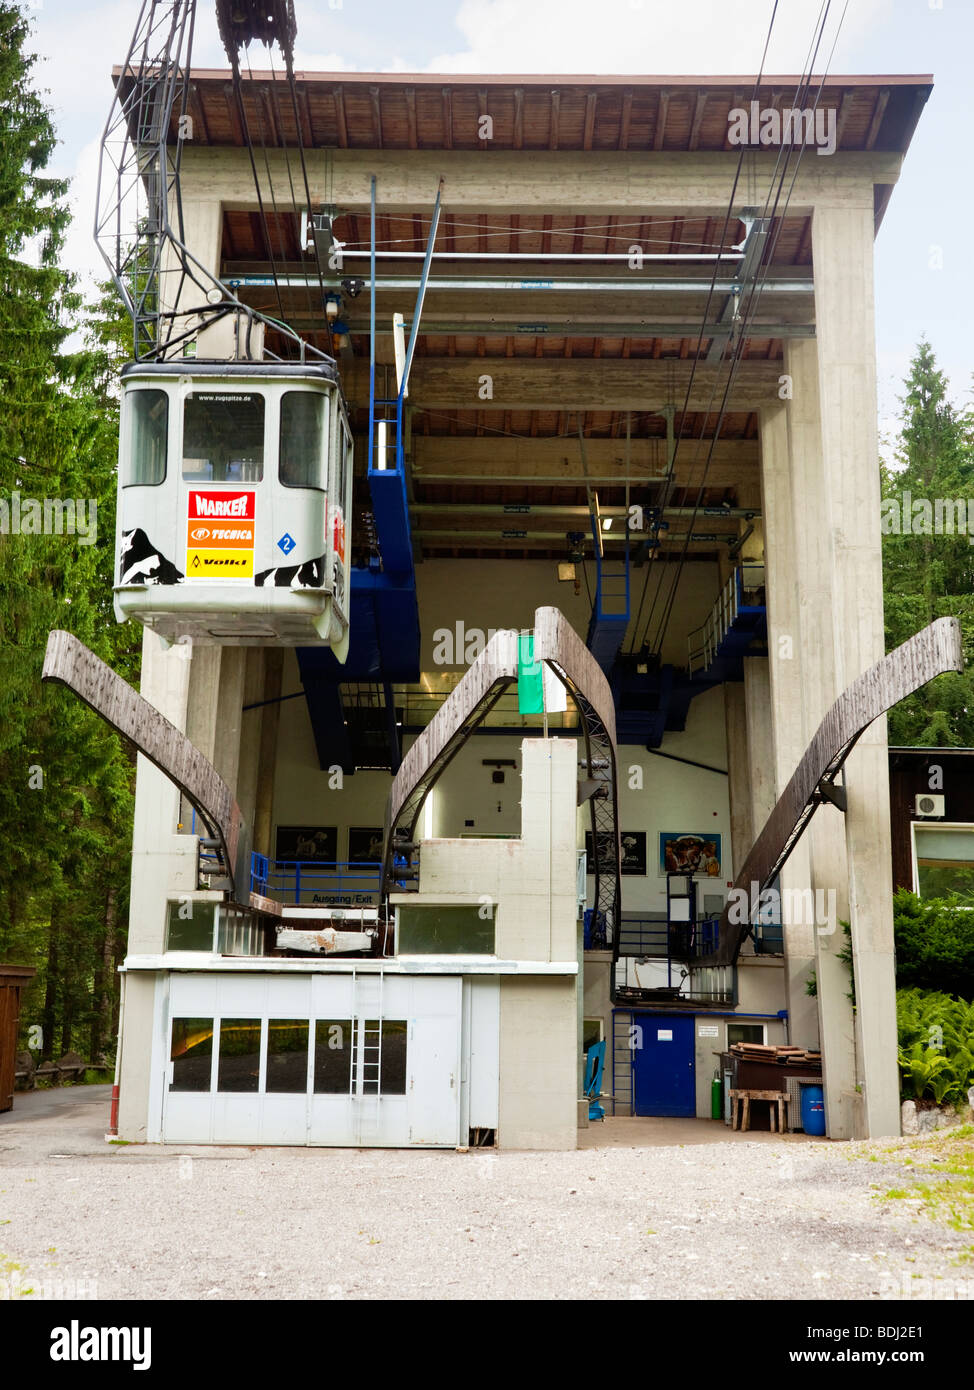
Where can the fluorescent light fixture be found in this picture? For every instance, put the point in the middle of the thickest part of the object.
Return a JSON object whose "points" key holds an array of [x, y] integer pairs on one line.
{"points": [[399, 342], [380, 444], [607, 523]]}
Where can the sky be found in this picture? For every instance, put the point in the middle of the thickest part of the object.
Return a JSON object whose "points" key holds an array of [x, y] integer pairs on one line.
{"points": [[924, 267]]}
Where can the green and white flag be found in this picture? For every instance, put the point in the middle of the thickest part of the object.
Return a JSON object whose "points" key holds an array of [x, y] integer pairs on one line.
{"points": [[530, 686], [539, 690]]}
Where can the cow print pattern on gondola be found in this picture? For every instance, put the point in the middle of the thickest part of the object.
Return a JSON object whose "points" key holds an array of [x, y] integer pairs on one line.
{"points": [[310, 575], [141, 563]]}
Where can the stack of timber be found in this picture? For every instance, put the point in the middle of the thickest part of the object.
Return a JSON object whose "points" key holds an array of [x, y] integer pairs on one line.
{"points": [[782, 1054]]}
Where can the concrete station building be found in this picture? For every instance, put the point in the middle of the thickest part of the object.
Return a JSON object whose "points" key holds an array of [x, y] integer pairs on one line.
{"points": [[620, 314]]}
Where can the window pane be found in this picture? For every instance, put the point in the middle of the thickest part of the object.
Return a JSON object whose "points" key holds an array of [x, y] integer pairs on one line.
{"points": [[745, 1032], [940, 879], [191, 1053], [392, 1081], [945, 862], [192, 932], [223, 437], [935, 843], [303, 439], [239, 1054], [148, 438], [333, 1056], [437, 929], [287, 1055]]}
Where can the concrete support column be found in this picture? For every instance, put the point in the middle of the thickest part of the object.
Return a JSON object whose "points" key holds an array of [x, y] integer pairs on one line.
{"points": [[250, 727], [204, 694], [203, 235], [165, 684], [267, 755], [230, 700], [763, 779], [738, 768], [825, 836], [842, 250], [783, 714]]}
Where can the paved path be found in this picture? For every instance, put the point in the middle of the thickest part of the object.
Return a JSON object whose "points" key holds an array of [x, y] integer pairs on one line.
{"points": [[750, 1217]]}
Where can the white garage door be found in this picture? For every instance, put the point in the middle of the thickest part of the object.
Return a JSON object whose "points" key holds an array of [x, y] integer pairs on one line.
{"points": [[354, 1060]]}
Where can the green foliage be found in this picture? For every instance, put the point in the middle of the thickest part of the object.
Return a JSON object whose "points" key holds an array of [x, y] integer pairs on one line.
{"points": [[934, 944], [936, 1045], [847, 959], [65, 781], [928, 577]]}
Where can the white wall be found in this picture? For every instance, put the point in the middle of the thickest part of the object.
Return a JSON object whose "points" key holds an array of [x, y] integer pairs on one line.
{"points": [[504, 593], [485, 594], [675, 797]]}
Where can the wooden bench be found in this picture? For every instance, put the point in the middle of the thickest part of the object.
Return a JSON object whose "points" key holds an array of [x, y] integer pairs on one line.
{"points": [[741, 1108]]}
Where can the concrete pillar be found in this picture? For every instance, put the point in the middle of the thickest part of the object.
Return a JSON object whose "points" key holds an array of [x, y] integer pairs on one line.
{"points": [[842, 251], [785, 696], [267, 756], [250, 727], [165, 684], [160, 866], [762, 780], [738, 769], [201, 715], [203, 234], [537, 920], [230, 699], [817, 583]]}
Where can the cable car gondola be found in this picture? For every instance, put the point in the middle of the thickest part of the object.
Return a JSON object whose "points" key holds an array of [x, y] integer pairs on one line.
{"points": [[234, 496]]}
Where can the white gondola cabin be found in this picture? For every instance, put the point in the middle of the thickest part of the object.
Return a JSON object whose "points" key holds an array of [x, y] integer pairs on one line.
{"points": [[235, 482]]}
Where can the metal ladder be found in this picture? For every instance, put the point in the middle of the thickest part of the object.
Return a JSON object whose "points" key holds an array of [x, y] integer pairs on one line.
{"points": [[367, 1051], [622, 1084]]}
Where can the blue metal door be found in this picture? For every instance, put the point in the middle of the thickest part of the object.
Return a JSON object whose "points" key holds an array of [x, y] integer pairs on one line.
{"points": [[663, 1065]]}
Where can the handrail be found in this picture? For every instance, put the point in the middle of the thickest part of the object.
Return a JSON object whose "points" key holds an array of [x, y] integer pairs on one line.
{"points": [[721, 618], [286, 876]]}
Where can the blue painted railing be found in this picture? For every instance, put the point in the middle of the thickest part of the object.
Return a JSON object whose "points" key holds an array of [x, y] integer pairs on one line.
{"points": [[643, 936], [306, 883]]}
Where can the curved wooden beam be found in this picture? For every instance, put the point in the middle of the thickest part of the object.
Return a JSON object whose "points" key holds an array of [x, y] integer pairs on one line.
{"points": [[931, 652], [70, 663], [555, 642]]}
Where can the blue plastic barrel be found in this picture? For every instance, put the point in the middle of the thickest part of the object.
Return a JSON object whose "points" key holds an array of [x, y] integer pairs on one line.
{"points": [[813, 1110]]}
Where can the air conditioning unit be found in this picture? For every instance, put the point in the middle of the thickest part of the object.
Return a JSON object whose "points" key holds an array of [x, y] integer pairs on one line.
{"points": [[927, 805]]}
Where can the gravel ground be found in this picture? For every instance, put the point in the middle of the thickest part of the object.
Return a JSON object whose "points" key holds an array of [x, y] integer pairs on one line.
{"points": [[770, 1218]]}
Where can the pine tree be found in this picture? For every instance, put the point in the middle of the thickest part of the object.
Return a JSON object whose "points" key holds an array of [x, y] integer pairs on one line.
{"points": [[927, 576], [65, 781]]}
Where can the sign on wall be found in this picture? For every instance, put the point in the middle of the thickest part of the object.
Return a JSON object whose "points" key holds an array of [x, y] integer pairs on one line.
{"points": [[683, 853], [633, 852], [308, 843], [365, 844]]}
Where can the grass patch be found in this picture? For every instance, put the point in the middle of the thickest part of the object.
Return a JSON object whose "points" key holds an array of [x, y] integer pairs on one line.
{"points": [[947, 1157]]}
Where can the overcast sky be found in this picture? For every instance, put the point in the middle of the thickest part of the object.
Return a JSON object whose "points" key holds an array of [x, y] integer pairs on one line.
{"points": [[932, 206]]}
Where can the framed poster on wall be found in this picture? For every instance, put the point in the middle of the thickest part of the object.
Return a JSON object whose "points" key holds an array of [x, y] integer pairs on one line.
{"points": [[364, 844], [310, 844], [633, 852], [681, 852]]}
